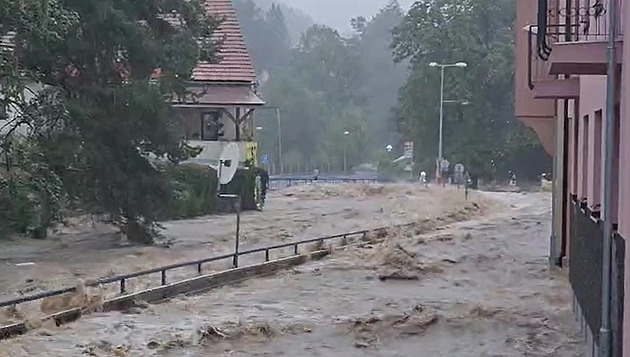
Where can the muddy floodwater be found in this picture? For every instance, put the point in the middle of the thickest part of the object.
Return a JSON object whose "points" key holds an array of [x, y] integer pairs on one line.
{"points": [[477, 283]]}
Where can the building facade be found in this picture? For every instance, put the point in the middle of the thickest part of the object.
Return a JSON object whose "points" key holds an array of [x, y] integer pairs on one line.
{"points": [[561, 92], [226, 93]]}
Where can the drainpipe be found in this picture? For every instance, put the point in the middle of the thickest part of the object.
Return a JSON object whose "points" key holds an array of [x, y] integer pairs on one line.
{"points": [[562, 252], [568, 36], [611, 81]]}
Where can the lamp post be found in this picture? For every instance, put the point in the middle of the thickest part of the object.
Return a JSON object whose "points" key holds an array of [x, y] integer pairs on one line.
{"points": [[345, 151], [442, 67]]}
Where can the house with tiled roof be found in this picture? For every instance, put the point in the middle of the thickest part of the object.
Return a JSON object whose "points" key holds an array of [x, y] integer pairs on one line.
{"points": [[226, 97], [222, 109]]}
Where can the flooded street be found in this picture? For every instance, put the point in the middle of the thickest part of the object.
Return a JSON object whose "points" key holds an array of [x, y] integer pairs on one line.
{"points": [[480, 287], [86, 250]]}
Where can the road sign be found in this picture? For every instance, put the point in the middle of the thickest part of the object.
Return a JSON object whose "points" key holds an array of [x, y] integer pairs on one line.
{"points": [[252, 152], [459, 168], [409, 150], [444, 165], [265, 160]]}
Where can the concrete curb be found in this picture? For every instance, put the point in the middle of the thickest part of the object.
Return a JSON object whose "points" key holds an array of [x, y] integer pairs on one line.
{"points": [[189, 286]]}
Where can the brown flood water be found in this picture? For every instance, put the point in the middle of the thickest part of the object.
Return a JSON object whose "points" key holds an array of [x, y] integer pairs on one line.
{"points": [[483, 287]]}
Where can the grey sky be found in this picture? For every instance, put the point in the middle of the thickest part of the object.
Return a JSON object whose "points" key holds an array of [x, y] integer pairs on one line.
{"points": [[337, 13]]}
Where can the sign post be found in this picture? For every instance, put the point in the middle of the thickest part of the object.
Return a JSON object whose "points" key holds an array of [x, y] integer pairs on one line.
{"points": [[409, 150], [409, 156], [444, 165], [236, 205]]}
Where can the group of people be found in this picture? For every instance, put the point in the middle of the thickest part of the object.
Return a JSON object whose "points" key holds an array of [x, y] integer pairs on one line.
{"points": [[447, 174]]}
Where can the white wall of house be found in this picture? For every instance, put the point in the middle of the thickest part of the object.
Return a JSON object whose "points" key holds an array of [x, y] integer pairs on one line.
{"points": [[12, 112]]}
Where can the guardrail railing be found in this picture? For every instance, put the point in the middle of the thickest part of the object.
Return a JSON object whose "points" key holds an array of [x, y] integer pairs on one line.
{"points": [[122, 279], [279, 182]]}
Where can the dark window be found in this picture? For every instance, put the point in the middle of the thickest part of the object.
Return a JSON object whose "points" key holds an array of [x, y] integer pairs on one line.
{"points": [[211, 126]]}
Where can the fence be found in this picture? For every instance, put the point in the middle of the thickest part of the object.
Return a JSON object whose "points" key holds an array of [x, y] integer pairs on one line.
{"points": [[585, 261], [122, 279], [585, 273], [282, 182]]}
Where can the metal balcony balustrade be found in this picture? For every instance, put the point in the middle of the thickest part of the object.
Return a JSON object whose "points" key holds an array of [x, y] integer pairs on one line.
{"points": [[588, 22]]}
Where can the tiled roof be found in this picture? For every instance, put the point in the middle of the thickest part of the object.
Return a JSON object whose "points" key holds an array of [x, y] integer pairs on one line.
{"points": [[224, 95], [235, 63]]}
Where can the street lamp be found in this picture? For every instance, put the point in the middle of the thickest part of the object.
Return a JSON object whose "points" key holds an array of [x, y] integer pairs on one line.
{"points": [[442, 67], [345, 152], [460, 102]]}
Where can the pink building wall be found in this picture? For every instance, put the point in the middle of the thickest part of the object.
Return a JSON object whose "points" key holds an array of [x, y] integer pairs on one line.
{"points": [[537, 114], [587, 129], [593, 105]]}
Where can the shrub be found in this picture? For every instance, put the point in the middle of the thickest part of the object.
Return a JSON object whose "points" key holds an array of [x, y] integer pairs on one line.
{"points": [[389, 170], [29, 204], [194, 191], [243, 185]]}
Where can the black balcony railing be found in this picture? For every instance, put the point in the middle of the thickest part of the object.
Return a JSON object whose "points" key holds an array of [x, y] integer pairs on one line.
{"points": [[590, 22], [537, 69]]}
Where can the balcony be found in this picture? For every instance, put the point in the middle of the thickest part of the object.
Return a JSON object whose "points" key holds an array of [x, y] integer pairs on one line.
{"points": [[573, 40], [542, 83]]}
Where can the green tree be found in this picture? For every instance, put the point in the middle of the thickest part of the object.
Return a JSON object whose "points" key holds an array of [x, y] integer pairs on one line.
{"points": [[383, 77], [325, 85], [480, 33], [103, 119], [318, 94]]}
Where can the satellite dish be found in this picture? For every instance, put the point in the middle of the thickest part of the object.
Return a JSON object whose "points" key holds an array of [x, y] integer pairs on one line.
{"points": [[228, 163]]}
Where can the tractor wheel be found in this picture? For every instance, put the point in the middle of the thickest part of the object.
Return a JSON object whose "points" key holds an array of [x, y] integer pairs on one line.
{"points": [[259, 200]]}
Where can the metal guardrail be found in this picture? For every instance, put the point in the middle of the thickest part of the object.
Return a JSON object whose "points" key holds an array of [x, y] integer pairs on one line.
{"points": [[122, 279], [276, 182]]}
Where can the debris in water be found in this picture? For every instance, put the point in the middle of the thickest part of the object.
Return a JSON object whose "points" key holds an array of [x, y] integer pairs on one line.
{"points": [[12, 312], [24, 264], [396, 276], [211, 332], [392, 326], [401, 248]]}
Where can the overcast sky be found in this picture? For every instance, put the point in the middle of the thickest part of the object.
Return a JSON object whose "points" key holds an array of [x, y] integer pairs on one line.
{"points": [[337, 13]]}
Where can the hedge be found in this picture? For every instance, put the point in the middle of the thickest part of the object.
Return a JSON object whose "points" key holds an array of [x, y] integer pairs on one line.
{"points": [[194, 191], [243, 185], [29, 204]]}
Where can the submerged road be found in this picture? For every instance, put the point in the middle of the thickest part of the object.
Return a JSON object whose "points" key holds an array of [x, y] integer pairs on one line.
{"points": [[482, 288]]}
